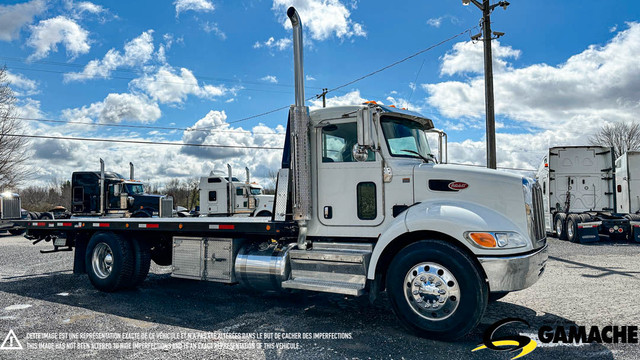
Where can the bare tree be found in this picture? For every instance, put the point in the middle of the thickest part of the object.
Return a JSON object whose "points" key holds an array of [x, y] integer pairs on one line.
{"points": [[12, 148], [622, 136]]}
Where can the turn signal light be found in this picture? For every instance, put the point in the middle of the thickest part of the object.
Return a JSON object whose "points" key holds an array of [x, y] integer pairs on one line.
{"points": [[483, 239]]}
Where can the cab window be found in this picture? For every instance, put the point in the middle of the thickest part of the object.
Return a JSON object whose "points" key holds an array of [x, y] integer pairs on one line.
{"points": [[338, 141]]}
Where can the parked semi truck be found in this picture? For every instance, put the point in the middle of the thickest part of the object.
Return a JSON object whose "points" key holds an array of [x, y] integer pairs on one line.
{"points": [[102, 193], [361, 207], [10, 212], [222, 195], [579, 194]]}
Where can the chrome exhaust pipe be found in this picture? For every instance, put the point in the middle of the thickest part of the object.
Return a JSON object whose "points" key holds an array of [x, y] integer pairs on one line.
{"points": [[297, 55], [131, 171], [248, 175], [101, 187], [299, 123]]}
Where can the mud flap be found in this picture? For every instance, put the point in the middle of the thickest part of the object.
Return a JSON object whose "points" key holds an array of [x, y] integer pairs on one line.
{"points": [[635, 230], [588, 232]]}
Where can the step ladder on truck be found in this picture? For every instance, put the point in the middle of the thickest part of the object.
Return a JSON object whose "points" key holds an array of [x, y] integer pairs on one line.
{"points": [[361, 207]]}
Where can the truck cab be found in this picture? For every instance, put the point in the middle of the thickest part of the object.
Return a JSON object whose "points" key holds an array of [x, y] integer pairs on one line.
{"points": [[220, 196], [118, 197]]}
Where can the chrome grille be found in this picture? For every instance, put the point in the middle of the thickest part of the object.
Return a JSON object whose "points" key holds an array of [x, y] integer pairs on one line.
{"points": [[10, 207], [538, 227], [166, 206]]}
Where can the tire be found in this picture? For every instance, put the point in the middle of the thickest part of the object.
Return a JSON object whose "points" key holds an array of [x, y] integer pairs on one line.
{"points": [[46, 216], [16, 232], [495, 296], [109, 274], [264, 213], [560, 226], [466, 291], [141, 214], [142, 262], [572, 227], [632, 217]]}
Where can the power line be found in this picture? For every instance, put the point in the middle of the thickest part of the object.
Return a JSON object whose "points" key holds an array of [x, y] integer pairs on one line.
{"points": [[151, 127], [399, 61], [142, 142]]}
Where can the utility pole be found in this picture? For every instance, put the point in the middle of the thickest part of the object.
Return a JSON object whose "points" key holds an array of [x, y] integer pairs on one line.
{"points": [[488, 74], [324, 97]]}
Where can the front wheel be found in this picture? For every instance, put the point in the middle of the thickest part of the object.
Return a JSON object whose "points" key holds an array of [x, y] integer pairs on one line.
{"points": [[436, 290]]}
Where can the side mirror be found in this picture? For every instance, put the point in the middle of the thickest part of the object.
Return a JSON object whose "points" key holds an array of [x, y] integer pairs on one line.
{"points": [[365, 128], [360, 153]]}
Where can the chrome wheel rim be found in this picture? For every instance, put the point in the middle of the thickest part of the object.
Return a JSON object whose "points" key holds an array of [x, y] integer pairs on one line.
{"points": [[432, 291], [102, 260], [558, 226], [570, 231]]}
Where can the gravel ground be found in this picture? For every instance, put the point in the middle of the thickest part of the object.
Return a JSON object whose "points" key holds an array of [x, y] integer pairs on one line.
{"points": [[39, 296]]}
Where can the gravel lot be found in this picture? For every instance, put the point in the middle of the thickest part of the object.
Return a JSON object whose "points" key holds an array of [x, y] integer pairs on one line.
{"points": [[584, 284]]}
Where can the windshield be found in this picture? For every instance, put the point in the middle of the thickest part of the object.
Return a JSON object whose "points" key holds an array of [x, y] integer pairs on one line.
{"points": [[256, 191], [404, 137], [135, 189]]}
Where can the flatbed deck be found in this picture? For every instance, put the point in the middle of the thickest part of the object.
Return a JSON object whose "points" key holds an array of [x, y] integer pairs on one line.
{"points": [[262, 226]]}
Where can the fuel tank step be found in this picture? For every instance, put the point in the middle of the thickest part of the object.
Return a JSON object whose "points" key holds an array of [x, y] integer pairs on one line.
{"points": [[330, 267]]}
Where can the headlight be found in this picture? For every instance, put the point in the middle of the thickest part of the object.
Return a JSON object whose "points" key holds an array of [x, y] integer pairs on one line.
{"points": [[496, 240]]}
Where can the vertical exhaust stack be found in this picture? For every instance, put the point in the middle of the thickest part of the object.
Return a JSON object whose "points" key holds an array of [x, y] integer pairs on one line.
{"points": [[131, 173], [248, 175], [231, 192], [300, 145], [101, 187]]}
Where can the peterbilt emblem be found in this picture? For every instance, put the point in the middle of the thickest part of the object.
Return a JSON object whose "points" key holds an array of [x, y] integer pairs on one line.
{"points": [[458, 185]]}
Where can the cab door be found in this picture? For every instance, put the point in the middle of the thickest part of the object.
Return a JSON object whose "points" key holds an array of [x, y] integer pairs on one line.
{"points": [[349, 193]]}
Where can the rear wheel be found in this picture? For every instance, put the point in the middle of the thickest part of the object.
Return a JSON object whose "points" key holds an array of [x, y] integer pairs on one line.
{"points": [[264, 213], [142, 262], [633, 217], [16, 232], [436, 290], [572, 227], [109, 261], [559, 226]]}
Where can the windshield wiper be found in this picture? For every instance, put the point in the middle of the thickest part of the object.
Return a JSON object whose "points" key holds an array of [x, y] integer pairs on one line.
{"points": [[417, 153]]}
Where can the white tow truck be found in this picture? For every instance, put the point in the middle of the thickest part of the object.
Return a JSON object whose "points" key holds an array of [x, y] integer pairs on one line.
{"points": [[226, 195], [361, 207]]}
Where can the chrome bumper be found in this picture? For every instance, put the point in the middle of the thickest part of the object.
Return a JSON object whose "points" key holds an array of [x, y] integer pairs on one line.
{"points": [[514, 273]]}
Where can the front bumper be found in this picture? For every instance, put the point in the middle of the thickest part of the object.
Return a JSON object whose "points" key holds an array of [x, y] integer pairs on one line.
{"points": [[512, 273]]}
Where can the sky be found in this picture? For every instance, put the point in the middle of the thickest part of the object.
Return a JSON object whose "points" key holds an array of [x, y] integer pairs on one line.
{"points": [[151, 70]]}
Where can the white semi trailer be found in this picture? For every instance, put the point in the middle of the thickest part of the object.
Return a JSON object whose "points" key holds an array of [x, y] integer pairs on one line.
{"points": [[361, 207], [226, 195], [579, 194]]}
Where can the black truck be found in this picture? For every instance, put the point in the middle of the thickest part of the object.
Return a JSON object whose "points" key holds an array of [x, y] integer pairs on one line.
{"points": [[99, 193]]}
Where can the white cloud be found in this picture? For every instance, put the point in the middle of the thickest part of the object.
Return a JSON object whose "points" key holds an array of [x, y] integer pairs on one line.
{"points": [[350, 98], [551, 105], [309, 78], [435, 22], [468, 57], [136, 52], [403, 104], [271, 43], [222, 133], [116, 108], [46, 36], [14, 17], [323, 18], [166, 86], [270, 78], [214, 28], [193, 5], [21, 85]]}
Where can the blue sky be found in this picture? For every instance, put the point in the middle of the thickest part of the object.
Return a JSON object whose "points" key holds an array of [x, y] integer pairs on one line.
{"points": [[562, 70]]}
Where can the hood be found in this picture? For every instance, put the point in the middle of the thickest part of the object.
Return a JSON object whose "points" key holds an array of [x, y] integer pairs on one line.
{"points": [[500, 191]]}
